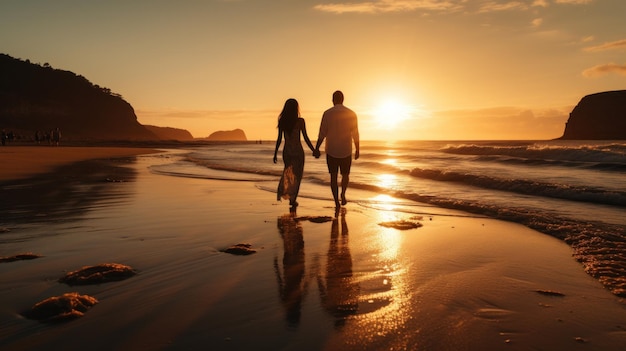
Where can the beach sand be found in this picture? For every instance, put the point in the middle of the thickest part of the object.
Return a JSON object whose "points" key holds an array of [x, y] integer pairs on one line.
{"points": [[318, 281]]}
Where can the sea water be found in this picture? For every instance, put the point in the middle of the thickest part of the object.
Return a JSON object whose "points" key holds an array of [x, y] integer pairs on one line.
{"points": [[526, 181]]}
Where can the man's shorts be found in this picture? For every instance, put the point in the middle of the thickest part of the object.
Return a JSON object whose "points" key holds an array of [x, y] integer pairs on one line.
{"points": [[336, 164]]}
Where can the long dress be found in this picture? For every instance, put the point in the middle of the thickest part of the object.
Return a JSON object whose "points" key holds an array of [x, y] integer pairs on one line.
{"points": [[293, 157]]}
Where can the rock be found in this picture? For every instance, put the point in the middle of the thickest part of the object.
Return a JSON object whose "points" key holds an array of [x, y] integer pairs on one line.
{"points": [[240, 249], [61, 308], [600, 116], [19, 257], [228, 135], [315, 219], [549, 293], [401, 225], [101, 273]]}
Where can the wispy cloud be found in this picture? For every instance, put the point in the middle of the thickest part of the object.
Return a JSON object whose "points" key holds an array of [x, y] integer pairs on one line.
{"points": [[386, 6], [619, 44], [536, 23], [495, 6], [476, 6], [602, 70], [575, 2]]}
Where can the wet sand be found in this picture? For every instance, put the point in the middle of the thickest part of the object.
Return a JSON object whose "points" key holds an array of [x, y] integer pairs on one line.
{"points": [[316, 281]]}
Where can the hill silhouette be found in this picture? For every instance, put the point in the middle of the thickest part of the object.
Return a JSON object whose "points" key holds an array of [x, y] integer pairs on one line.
{"points": [[36, 97], [600, 116], [228, 135], [169, 133]]}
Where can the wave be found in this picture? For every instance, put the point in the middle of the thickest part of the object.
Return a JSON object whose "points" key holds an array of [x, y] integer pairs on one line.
{"points": [[598, 166], [613, 154], [527, 187]]}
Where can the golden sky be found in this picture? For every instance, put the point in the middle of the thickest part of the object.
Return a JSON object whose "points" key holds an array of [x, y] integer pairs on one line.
{"points": [[411, 69]]}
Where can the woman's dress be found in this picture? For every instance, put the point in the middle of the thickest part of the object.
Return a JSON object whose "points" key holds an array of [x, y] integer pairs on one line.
{"points": [[293, 157]]}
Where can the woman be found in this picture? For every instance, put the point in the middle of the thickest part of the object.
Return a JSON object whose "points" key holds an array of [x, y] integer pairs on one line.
{"points": [[291, 125]]}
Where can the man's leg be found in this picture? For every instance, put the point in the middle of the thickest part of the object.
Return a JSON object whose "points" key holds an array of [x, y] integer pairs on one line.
{"points": [[345, 179], [335, 188]]}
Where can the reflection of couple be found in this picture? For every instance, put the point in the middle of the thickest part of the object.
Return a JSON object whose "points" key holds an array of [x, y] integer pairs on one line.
{"points": [[339, 127], [338, 290]]}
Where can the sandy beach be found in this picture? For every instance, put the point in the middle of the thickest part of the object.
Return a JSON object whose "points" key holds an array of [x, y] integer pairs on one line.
{"points": [[319, 280]]}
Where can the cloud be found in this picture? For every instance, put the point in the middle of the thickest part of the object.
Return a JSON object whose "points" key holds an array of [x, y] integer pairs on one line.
{"points": [[602, 70], [494, 6], [386, 6], [536, 23], [619, 44], [575, 2], [481, 6]]}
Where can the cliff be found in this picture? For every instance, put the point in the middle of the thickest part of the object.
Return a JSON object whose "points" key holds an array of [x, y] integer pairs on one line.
{"points": [[230, 135], [37, 97], [168, 133], [600, 116]]}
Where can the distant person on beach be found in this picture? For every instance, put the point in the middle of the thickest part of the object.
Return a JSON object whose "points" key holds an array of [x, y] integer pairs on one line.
{"points": [[56, 136], [339, 127], [291, 126]]}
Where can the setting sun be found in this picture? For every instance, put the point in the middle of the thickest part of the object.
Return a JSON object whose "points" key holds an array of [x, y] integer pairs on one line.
{"points": [[390, 113]]}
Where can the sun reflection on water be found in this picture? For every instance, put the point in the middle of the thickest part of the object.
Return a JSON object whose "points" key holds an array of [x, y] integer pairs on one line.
{"points": [[385, 308], [386, 180]]}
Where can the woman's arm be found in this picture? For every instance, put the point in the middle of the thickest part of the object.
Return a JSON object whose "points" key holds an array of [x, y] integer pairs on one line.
{"points": [[278, 141]]}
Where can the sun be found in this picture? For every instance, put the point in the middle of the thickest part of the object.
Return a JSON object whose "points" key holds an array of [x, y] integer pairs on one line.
{"points": [[391, 113]]}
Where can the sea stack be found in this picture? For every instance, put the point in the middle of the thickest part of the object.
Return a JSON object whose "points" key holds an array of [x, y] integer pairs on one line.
{"points": [[600, 116]]}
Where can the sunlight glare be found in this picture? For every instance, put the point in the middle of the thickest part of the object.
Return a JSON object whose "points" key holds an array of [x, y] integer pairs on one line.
{"points": [[386, 181], [391, 113]]}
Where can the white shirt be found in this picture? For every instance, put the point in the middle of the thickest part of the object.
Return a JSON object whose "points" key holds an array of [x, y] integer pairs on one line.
{"points": [[339, 126]]}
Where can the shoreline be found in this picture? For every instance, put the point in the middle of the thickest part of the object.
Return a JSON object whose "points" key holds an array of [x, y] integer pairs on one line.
{"points": [[456, 282], [26, 161]]}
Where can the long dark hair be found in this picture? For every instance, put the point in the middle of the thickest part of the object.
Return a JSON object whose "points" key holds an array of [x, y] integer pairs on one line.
{"points": [[289, 115]]}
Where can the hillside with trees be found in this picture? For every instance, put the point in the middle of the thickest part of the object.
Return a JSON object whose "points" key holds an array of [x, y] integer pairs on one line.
{"points": [[36, 97]]}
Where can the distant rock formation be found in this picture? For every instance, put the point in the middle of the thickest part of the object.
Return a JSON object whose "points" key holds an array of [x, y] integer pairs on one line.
{"points": [[168, 133], [229, 135], [600, 116], [40, 98]]}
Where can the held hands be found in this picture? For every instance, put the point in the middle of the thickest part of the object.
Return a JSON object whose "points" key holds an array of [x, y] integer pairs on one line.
{"points": [[316, 153]]}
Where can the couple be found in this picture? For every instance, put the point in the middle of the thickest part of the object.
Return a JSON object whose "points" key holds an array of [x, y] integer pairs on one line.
{"points": [[339, 128]]}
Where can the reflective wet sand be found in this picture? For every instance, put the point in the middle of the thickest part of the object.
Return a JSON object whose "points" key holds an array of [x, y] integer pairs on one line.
{"points": [[455, 283]]}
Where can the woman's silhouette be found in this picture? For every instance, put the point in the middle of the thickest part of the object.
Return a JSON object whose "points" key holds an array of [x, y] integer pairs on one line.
{"points": [[291, 125]]}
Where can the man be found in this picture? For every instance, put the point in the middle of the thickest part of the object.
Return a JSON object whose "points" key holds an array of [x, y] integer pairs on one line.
{"points": [[339, 127]]}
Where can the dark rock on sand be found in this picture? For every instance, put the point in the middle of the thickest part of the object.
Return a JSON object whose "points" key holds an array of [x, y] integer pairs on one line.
{"points": [[101, 273], [240, 249], [549, 293], [400, 225], [19, 257], [61, 308], [315, 219]]}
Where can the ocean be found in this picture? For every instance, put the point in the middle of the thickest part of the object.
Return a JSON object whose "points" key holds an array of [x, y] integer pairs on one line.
{"points": [[573, 190]]}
